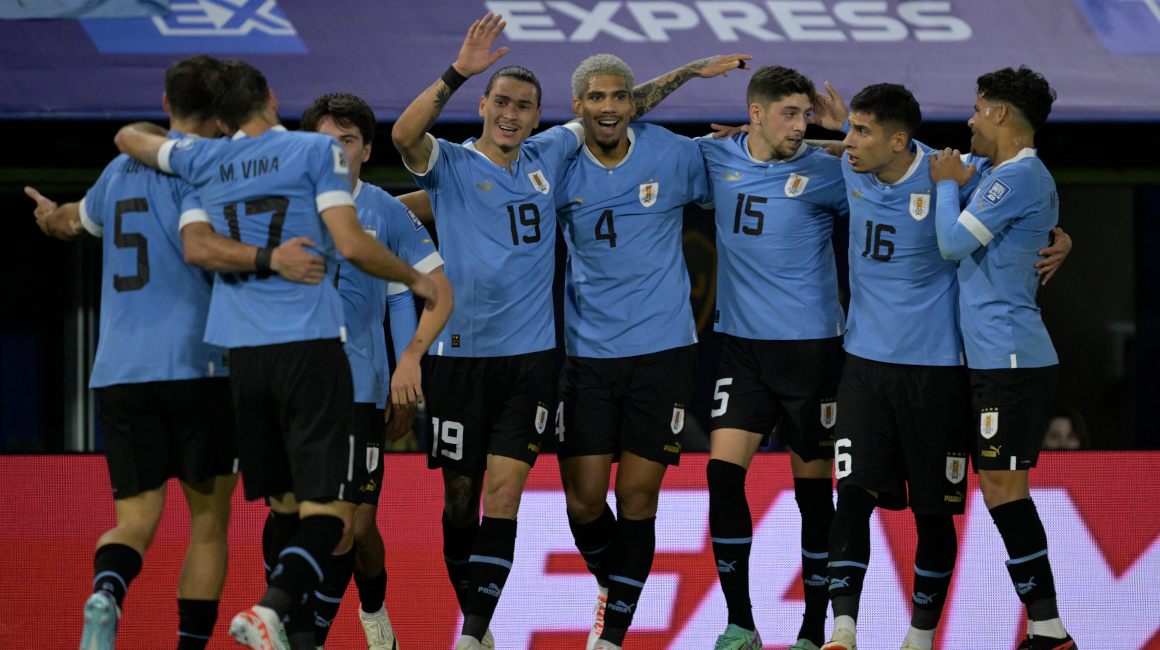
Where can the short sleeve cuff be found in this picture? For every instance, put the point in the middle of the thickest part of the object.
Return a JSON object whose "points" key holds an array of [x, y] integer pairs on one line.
{"points": [[91, 226], [196, 215], [577, 130], [425, 265], [430, 161], [163, 156], [333, 198]]}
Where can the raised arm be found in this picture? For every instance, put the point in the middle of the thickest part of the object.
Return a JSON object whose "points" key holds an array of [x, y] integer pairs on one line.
{"points": [[142, 141], [61, 222], [371, 257], [651, 92], [410, 131]]}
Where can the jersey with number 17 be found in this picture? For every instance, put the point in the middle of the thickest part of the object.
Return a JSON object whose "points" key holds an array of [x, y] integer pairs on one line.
{"points": [[263, 191]]}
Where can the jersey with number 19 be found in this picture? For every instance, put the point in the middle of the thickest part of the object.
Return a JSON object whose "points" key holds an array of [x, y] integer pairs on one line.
{"points": [[263, 191]]}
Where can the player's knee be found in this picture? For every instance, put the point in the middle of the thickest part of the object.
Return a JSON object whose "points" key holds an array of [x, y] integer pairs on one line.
{"points": [[502, 501], [725, 478], [939, 528], [364, 525], [856, 500], [1000, 487], [636, 503]]}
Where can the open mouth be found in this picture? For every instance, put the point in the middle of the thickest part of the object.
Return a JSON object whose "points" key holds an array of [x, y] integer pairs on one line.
{"points": [[608, 126], [853, 160], [794, 143], [508, 130]]}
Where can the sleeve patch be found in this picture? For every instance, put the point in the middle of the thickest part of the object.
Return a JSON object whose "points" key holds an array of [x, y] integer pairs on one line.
{"points": [[341, 166], [414, 220], [996, 192]]}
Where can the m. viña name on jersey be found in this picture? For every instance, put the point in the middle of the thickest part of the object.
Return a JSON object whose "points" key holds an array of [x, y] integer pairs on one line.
{"points": [[200, 26]]}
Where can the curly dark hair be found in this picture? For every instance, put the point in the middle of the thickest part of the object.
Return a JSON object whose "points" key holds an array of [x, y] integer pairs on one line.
{"points": [[773, 83], [240, 91], [890, 104], [346, 110], [188, 85], [515, 72], [1023, 89]]}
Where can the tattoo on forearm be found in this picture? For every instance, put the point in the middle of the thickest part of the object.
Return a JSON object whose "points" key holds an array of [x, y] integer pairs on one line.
{"points": [[442, 94], [650, 93]]}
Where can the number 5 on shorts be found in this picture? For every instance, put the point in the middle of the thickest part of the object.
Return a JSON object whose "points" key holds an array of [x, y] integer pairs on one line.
{"points": [[721, 396], [452, 435], [843, 462]]}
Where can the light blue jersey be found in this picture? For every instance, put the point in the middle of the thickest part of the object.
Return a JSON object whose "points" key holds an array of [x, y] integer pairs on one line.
{"points": [[626, 287], [777, 278], [497, 235], [903, 295], [364, 297], [153, 304], [997, 238], [263, 191]]}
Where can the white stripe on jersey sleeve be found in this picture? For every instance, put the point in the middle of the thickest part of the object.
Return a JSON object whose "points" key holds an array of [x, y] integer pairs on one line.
{"points": [[431, 160], [196, 215], [333, 198], [87, 222], [577, 130], [163, 156], [425, 265], [971, 223]]}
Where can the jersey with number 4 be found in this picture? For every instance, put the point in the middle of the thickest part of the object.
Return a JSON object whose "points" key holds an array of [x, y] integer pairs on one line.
{"points": [[777, 278], [903, 295], [153, 304], [497, 236], [626, 287], [263, 191]]}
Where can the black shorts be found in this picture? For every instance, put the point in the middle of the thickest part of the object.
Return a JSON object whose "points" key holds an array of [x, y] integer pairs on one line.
{"points": [[157, 430], [481, 406], [635, 404], [1022, 396], [370, 432], [791, 385], [294, 403], [905, 427]]}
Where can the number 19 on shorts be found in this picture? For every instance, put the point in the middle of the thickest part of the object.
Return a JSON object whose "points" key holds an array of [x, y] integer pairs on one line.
{"points": [[452, 437]]}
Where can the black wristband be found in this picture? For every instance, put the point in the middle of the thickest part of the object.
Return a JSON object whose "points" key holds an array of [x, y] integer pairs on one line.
{"points": [[262, 259], [452, 78]]}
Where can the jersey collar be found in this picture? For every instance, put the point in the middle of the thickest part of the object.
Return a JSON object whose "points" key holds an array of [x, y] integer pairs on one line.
{"points": [[918, 158], [1026, 152], [357, 188], [631, 146], [744, 142], [470, 146], [242, 134]]}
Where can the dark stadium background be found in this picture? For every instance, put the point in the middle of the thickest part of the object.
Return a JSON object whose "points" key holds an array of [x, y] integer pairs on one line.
{"points": [[1102, 308]]}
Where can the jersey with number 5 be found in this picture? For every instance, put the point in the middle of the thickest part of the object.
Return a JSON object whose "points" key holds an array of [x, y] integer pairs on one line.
{"points": [[263, 191]]}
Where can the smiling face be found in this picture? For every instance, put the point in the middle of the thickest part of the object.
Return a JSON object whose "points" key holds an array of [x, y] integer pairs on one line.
{"points": [[351, 140], [781, 125], [604, 110], [870, 145], [509, 113]]}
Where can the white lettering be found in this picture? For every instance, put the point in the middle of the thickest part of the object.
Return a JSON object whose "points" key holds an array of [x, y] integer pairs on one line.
{"points": [[884, 28], [804, 27], [592, 23], [742, 17], [655, 18], [526, 27], [952, 29]]}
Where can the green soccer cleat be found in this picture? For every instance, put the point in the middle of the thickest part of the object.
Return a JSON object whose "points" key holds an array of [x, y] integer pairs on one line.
{"points": [[736, 637], [101, 616], [803, 644]]}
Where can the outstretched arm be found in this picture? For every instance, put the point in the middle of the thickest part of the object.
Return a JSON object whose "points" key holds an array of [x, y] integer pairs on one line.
{"points": [[410, 131], [650, 93], [61, 222]]}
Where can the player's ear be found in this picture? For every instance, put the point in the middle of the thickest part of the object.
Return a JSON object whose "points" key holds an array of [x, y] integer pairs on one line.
{"points": [[226, 130], [165, 104], [366, 152], [273, 101], [901, 141], [577, 105], [756, 114]]}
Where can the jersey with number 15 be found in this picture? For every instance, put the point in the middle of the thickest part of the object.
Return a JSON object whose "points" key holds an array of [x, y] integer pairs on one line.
{"points": [[263, 191]]}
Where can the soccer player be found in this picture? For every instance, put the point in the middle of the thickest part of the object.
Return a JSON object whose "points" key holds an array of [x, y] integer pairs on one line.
{"points": [[1013, 365], [777, 304], [365, 299], [163, 393], [290, 378]]}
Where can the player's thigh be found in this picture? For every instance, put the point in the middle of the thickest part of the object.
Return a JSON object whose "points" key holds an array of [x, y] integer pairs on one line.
{"points": [[588, 413], [866, 445], [655, 405], [261, 449], [135, 436], [370, 431], [741, 399], [1010, 415], [522, 399], [459, 405], [805, 376], [200, 413], [934, 421]]}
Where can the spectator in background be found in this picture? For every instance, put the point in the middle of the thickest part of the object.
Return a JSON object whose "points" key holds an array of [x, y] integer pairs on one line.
{"points": [[1066, 431]]}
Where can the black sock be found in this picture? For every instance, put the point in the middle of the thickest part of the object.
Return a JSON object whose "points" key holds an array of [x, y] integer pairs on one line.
{"points": [[815, 499], [276, 532], [850, 549], [1026, 540], [594, 541], [731, 531], [301, 565], [114, 567], [457, 545], [196, 619], [632, 558], [934, 564], [491, 562], [328, 595], [372, 591]]}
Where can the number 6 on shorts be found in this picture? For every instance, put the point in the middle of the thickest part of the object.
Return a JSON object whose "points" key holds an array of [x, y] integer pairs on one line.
{"points": [[843, 462]]}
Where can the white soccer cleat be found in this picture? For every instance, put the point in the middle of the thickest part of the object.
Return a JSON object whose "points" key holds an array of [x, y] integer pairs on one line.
{"points": [[468, 643], [380, 634], [101, 616], [488, 641], [259, 628], [843, 639], [598, 624]]}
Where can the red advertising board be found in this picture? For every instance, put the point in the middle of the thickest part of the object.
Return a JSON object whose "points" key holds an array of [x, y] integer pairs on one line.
{"points": [[1101, 511]]}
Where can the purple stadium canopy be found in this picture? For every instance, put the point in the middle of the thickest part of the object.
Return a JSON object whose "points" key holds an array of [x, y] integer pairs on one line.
{"points": [[1102, 56]]}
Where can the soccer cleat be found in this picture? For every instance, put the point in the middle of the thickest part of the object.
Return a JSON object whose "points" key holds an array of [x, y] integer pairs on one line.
{"points": [[736, 637], [258, 628], [842, 640], [101, 616], [598, 624], [380, 634], [488, 641], [907, 645], [803, 644], [1048, 643], [468, 643], [606, 645]]}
